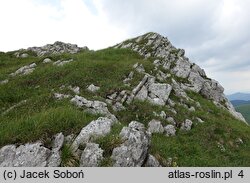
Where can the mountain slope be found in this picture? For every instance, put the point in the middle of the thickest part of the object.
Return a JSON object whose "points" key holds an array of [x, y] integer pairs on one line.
{"points": [[95, 97]]}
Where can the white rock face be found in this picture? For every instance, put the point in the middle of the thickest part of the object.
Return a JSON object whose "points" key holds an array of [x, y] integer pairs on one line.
{"points": [[55, 158], [152, 162], [134, 150], [4, 82], [60, 96], [170, 130], [98, 128], [25, 70], [155, 126], [187, 125], [56, 48], [156, 93], [93, 88], [94, 107], [62, 62], [47, 60], [174, 61], [28, 155], [24, 55], [91, 156]]}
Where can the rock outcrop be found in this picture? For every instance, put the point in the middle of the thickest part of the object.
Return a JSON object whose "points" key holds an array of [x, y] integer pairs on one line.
{"points": [[56, 48], [173, 60], [133, 152]]}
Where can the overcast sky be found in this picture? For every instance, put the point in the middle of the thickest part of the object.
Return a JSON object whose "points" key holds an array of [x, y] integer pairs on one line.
{"points": [[214, 33]]}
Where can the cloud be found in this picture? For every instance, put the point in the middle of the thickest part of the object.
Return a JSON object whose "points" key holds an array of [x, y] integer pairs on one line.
{"points": [[214, 33], [34, 23]]}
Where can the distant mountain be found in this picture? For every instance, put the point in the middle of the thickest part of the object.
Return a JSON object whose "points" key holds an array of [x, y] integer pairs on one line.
{"points": [[239, 96], [239, 102]]}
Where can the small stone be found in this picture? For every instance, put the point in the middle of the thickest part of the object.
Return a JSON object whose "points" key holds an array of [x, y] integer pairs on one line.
{"points": [[93, 88], [171, 120], [191, 109], [239, 141], [91, 156], [187, 125], [170, 130], [152, 162], [200, 120], [75, 89], [24, 55], [47, 60], [155, 126], [60, 96], [4, 81]]}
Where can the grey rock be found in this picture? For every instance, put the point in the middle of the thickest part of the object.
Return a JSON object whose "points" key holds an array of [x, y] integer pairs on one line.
{"points": [[171, 102], [152, 161], [191, 109], [200, 120], [28, 155], [187, 125], [91, 156], [47, 60], [4, 82], [24, 70], [55, 158], [93, 88], [171, 120], [139, 68], [94, 107], [75, 89], [56, 48], [156, 93], [60, 96], [62, 62], [97, 128], [118, 107], [170, 130], [24, 55], [182, 68], [155, 126], [133, 152]]}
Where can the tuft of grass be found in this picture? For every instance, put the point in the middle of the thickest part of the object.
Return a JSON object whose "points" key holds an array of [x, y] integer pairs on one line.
{"points": [[68, 159]]}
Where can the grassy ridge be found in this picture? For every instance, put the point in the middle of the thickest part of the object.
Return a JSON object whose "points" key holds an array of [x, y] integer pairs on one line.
{"points": [[41, 116]]}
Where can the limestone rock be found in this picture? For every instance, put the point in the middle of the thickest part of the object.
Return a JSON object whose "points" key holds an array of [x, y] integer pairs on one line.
{"points": [[155, 126], [171, 120], [75, 89], [28, 155], [62, 62], [60, 96], [4, 82], [24, 55], [170, 130], [24, 70], [55, 158], [134, 150], [152, 161], [187, 125], [200, 120], [47, 60], [156, 93], [97, 128], [93, 88], [94, 107], [56, 48], [91, 156]]}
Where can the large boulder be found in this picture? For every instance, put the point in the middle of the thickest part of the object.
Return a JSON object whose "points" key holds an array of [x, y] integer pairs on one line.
{"points": [[97, 128], [28, 155], [91, 156], [133, 152]]}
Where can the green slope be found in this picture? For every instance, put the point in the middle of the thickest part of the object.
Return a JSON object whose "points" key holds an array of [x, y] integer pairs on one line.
{"points": [[245, 111], [42, 116]]}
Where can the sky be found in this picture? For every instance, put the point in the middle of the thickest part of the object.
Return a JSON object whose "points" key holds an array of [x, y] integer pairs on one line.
{"points": [[214, 33]]}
